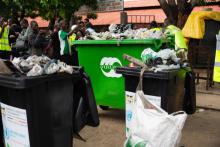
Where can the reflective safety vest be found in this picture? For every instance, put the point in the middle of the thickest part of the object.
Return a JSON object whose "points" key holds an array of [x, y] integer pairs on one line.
{"points": [[216, 77], [179, 38], [4, 41], [156, 29], [72, 38]]}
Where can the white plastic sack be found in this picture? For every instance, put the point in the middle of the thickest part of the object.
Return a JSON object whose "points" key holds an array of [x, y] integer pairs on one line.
{"points": [[151, 126], [37, 70]]}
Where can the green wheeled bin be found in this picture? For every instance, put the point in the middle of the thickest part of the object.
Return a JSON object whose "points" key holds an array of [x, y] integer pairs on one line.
{"points": [[100, 59]]}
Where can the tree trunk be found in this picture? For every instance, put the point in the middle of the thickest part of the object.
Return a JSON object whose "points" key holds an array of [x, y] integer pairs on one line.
{"points": [[177, 11], [22, 14], [14, 17], [52, 23], [170, 10]]}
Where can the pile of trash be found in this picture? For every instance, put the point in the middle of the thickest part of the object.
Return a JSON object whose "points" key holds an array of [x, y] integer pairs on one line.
{"points": [[40, 65], [163, 60], [116, 32]]}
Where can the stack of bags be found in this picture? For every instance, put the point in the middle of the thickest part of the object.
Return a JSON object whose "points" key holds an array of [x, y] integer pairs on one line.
{"points": [[163, 60], [40, 65], [116, 32]]}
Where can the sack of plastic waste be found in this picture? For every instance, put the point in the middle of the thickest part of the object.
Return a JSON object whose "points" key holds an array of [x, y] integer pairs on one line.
{"points": [[166, 57], [124, 32], [151, 126]]}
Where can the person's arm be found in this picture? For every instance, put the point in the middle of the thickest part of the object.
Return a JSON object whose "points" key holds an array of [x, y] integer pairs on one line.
{"points": [[3, 29], [25, 36]]}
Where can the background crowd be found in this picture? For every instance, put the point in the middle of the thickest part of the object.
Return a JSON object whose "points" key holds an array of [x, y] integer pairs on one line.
{"points": [[24, 39]]}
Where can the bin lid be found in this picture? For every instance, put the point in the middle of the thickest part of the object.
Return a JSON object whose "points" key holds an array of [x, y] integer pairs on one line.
{"points": [[125, 41], [16, 81], [130, 71], [156, 42]]}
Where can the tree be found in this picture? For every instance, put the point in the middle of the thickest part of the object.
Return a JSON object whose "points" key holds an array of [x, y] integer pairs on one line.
{"points": [[47, 9], [177, 11]]}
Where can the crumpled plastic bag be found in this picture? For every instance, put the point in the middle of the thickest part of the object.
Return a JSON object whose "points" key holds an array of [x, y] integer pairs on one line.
{"points": [[141, 33], [38, 59], [25, 66], [16, 61], [37, 70], [63, 67], [51, 67], [112, 28], [32, 58], [39, 65], [155, 34], [148, 54], [166, 67], [166, 54], [124, 32]]}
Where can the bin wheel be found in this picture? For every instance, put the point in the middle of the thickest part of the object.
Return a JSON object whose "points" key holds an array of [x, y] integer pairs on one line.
{"points": [[104, 107]]}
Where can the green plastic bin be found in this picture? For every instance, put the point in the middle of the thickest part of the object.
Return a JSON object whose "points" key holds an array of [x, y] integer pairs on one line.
{"points": [[101, 57]]}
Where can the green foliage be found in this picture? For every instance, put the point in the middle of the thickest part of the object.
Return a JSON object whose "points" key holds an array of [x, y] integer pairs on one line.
{"points": [[91, 16], [48, 9]]}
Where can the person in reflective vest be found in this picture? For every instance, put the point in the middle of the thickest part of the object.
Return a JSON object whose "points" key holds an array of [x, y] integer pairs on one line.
{"points": [[216, 77], [154, 26], [5, 48]]}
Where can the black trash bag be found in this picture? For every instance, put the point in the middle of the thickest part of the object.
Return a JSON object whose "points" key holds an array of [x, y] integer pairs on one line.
{"points": [[189, 104], [85, 109]]}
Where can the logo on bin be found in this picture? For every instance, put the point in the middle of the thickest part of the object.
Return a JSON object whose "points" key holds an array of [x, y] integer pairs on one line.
{"points": [[108, 65]]}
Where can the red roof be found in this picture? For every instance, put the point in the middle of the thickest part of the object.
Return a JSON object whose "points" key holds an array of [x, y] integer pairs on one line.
{"points": [[114, 17], [158, 13], [140, 3], [41, 22], [106, 18], [214, 8]]}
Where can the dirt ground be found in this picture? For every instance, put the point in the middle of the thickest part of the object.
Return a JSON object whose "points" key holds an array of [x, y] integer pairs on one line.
{"points": [[201, 130]]}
